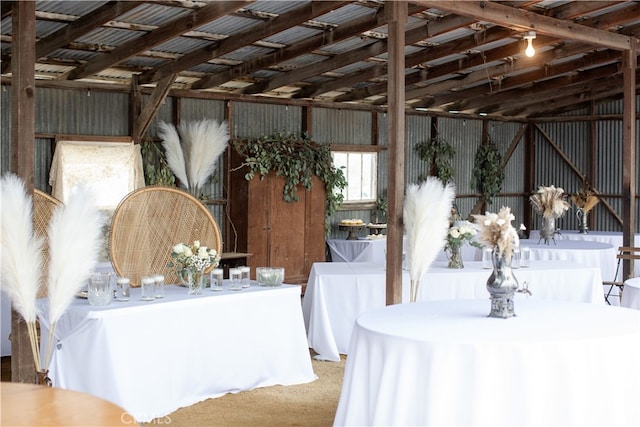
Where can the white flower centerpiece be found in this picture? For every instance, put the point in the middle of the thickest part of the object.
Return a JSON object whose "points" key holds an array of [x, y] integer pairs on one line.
{"points": [[459, 233], [191, 261], [551, 203]]}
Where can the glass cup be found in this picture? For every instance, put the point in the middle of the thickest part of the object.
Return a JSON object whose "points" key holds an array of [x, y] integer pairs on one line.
{"points": [[245, 273], [123, 286], [486, 258], [515, 259], [100, 289], [525, 257], [148, 286], [235, 276], [216, 278], [159, 282]]}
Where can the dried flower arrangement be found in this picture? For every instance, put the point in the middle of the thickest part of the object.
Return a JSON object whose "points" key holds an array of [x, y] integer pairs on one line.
{"points": [[496, 231], [550, 201], [585, 199]]}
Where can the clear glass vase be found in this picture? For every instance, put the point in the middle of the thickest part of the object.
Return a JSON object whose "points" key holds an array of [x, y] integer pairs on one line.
{"points": [[193, 280], [455, 257]]}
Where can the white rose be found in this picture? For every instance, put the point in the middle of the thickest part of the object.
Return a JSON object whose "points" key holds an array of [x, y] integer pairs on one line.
{"points": [[455, 233], [187, 251], [202, 253], [179, 248]]}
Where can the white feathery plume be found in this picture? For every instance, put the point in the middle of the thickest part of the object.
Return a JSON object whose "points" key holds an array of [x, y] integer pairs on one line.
{"points": [[203, 142], [75, 239], [21, 255], [174, 153], [427, 209]]}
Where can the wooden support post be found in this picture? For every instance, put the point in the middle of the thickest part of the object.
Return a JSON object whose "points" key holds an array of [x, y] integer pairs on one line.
{"points": [[629, 171], [22, 154], [397, 13]]}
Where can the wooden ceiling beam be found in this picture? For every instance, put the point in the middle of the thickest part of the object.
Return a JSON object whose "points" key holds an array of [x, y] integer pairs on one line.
{"points": [[360, 25], [523, 20], [158, 36], [475, 98], [287, 20]]}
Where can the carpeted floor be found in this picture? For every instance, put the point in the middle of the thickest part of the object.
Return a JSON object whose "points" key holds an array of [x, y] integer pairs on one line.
{"points": [[312, 404], [309, 405]]}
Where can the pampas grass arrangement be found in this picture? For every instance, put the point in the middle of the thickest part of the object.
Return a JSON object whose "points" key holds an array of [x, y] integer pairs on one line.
{"points": [[74, 243], [427, 209], [21, 255], [193, 150], [550, 202], [496, 231]]}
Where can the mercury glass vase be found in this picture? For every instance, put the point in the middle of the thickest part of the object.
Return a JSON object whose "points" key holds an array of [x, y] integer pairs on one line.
{"points": [[502, 286], [455, 257], [548, 229], [583, 228]]}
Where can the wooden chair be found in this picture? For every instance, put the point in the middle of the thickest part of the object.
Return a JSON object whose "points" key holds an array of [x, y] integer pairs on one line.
{"points": [[624, 253], [43, 207], [149, 222]]}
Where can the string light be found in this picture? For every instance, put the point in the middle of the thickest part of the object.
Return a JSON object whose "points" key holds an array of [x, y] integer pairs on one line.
{"points": [[530, 51]]}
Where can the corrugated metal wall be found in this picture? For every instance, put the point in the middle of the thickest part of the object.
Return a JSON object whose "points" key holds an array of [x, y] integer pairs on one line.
{"points": [[65, 111]]}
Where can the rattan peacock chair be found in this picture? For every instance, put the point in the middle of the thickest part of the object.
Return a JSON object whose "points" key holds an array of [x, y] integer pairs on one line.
{"points": [[43, 207], [149, 222]]}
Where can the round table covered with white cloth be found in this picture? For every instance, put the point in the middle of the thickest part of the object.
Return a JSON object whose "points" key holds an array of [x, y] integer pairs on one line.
{"points": [[446, 363], [631, 293]]}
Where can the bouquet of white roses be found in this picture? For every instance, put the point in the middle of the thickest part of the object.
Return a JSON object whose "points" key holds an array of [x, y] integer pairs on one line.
{"points": [[460, 233], [195, 258]]}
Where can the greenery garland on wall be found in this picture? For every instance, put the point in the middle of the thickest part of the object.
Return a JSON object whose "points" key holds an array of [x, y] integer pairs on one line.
{"points": [[438, 153], [156, 170], [488, 171], [297, 159]]}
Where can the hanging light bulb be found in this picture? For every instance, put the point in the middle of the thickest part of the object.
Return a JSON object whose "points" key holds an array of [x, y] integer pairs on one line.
{"points": [[530, 51]]}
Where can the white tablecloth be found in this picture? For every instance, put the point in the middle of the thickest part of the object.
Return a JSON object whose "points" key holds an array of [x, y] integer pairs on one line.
{"points": [[374, 250], [447, 364], [631, 293], [338, 292], [589, 253], [152, 358]]}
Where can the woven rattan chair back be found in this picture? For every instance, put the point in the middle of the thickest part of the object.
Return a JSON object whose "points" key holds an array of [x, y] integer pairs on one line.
{"points": [[149, 222], [43, 207]]}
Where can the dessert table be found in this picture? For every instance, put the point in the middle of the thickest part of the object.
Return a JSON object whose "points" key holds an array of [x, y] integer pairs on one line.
{"points": [[152, 358], [631, 293], [337, 293], [445, 363], [36, 405]]}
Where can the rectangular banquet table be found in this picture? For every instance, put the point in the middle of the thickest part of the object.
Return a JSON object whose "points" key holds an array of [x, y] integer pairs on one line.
{"points": [[152, 358], [445, 363], [338, 292]]}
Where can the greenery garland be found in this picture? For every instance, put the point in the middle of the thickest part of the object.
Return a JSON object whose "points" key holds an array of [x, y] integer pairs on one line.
{"points": [[156, 170], [437, 152], [488, 171], [297, 159]]}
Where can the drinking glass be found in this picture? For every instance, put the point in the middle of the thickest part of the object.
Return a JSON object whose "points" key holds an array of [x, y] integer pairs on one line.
{"points": [[525, 257], [235, 276], [123, 285], [148, 286], [159, 282], [100, 289], [515, 259], [216, 275], [486, 258], [245, 273]]}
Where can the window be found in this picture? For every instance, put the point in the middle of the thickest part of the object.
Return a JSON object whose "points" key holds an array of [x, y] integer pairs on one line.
{"points": [[361, 171]]}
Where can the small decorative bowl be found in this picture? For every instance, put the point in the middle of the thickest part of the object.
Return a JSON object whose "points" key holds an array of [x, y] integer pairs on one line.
{"points": [[270, 276]]}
